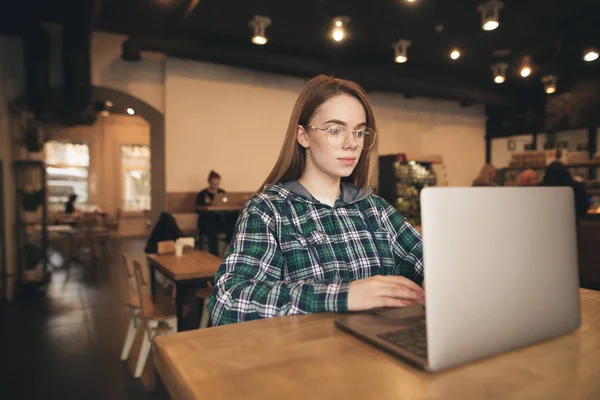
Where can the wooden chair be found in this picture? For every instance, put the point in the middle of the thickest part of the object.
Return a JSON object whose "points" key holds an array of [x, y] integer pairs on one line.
{"points": [[204, 294], [155, 322], [147, 222], [132, 301], [91, 232]]}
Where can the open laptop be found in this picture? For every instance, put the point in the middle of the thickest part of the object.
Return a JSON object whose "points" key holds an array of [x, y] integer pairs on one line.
{"points": [[500, 273], [232, 199]]}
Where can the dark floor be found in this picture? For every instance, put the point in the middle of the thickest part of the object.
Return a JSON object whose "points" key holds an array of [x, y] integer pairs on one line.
{"points": [[64, 342]]}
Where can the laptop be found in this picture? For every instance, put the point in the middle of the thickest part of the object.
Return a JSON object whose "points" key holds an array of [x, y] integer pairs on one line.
{"points": [[500, 273], [232, 199]]}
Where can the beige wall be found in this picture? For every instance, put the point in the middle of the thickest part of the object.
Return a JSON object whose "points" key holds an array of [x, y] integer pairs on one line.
{"points": [[143, 79], [223, 118], [431, 127], [233, 121]]}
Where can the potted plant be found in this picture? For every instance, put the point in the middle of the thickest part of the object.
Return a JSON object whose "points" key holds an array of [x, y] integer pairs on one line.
{"points": [[32, 265], [33, 138], [31, 199]]}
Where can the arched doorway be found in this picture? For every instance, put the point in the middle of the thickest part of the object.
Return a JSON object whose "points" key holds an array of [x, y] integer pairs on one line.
{"points": [[121, 102]]}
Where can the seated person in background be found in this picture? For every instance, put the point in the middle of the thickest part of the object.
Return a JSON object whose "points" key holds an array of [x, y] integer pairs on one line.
{"points": [[528, 178], [210, 224], [558, 175], [486, 177], [207, 196], [70, 204], [316, 238]]}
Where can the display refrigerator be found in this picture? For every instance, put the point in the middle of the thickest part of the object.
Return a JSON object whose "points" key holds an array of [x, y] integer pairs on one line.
{"points": [[403, 176]]}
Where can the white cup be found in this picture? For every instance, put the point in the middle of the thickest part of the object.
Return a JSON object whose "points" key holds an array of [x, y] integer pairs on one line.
{"points": [[178, 250]]}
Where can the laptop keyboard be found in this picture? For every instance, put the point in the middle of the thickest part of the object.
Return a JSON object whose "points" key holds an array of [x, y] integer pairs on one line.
{"points": [[413, 339]]}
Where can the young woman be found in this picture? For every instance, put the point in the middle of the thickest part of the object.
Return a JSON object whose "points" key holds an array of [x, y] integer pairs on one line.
{"points": [[316, 239]]}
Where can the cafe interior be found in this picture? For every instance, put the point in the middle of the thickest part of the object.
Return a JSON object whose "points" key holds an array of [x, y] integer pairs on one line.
{"points": [[113, 114]]}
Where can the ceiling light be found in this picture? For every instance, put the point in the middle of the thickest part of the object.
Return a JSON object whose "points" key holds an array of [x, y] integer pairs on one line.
{"points": [[499, 71], [259, 24], [490, 14], [130, 111], [455, 54], [401, 50], [104, 113], [338, 33], [526, 67], [550, 83], [590, 55]]}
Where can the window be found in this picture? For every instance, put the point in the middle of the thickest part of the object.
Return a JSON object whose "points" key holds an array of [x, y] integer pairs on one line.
{"points": [[67, 171], [135, 164]]}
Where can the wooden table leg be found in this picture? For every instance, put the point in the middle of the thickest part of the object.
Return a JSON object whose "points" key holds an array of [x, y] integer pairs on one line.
{"points": [[179, 302], [152, 278]]}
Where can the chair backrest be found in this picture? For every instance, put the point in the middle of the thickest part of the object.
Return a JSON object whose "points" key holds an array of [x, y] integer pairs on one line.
{"points": [[143, 287], [165, 247], [129, 277]]}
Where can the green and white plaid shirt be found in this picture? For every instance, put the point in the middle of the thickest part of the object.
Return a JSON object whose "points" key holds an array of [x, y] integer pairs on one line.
{"points": [[291, 254]]}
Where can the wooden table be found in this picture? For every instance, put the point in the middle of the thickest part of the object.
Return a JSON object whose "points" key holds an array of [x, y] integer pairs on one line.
{"points": [[301, 357], [219, 209], [188, 272]]}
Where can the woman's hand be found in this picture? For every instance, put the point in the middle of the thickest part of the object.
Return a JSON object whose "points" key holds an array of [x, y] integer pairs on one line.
{"points": [[384, 291]]}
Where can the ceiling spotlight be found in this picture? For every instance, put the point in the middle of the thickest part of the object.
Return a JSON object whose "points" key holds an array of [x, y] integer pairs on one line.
{"points": [[338, 33], [590, 55], [499, 71], [490, 14], [455, 54], [130, 111], [550, 83], [526, 67], [259, 24], [401, 50]]}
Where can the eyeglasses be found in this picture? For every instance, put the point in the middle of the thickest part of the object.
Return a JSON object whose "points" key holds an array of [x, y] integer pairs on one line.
{"points": [[337, 136]]}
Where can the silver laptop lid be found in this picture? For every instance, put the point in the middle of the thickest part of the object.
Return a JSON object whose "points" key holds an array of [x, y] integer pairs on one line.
{"points": [[500, 269]]}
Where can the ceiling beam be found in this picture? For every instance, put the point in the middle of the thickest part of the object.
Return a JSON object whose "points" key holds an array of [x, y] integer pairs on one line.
{"points": [[386, 78]]}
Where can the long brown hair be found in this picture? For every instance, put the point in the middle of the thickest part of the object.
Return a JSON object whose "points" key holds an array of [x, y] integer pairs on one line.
{"points": [[486, 176], [292, 157]]}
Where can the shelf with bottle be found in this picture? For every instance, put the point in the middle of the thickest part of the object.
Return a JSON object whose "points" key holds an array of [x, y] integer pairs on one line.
{"points": [[412, 177]]}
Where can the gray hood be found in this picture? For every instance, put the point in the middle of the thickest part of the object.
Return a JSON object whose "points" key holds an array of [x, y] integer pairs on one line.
{"points": [[350, 193]]}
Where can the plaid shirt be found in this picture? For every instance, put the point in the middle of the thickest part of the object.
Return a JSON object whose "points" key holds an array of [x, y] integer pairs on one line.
{"points": [[290, 254]]}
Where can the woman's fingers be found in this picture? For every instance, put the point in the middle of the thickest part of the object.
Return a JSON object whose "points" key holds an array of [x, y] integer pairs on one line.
{"points": [[402, 281], [399, 291], [392, 302]]}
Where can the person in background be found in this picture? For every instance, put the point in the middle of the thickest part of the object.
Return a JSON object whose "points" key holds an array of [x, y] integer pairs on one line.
{"points": [[528, 178], [207, 196], [316, 238], [486, 177], [210, 224], [70, 204], [557, 174]]}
